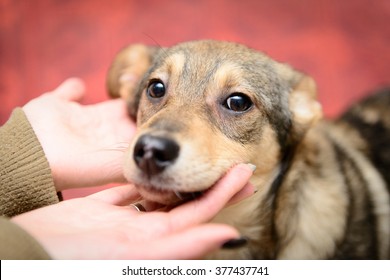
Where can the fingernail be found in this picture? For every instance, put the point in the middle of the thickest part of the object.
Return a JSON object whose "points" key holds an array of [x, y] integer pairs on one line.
{"points": [[235, 243], [252, 166]]}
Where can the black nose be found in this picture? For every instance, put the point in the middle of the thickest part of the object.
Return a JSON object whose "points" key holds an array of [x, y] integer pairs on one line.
{"points": [[153, 154]]}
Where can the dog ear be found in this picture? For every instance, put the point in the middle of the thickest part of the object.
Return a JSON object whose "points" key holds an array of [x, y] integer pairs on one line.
{"points": [[303, 103], [126, 72]]}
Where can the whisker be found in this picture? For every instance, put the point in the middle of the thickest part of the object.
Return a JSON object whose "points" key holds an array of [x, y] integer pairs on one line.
{"points": [[120, 147], [161, 48], [154, 40], [178, 194]]}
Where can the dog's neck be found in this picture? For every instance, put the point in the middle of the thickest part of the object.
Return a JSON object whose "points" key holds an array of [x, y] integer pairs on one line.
{"points": [[285, 164], [238, 214]]}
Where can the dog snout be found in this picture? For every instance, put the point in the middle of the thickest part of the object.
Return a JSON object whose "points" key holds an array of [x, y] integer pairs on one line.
{"points": [[153, 154]]}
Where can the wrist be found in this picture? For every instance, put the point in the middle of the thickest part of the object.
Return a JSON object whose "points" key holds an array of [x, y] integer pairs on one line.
{"points": [[28, 171]]}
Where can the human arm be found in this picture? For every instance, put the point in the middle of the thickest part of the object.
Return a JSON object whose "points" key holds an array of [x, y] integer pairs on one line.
{"points": [[103, 226], [17, 244], [25, 176], [55, 143]]}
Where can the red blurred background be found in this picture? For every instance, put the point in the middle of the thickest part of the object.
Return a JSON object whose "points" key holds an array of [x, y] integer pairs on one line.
{"points": [[344, 45]]}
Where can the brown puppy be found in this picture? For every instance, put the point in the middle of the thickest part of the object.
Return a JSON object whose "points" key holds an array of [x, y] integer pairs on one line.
{"points": [[202, 107]]}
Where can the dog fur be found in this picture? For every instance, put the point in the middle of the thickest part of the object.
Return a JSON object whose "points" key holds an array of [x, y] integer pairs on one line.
{"points": [[322, 186]]}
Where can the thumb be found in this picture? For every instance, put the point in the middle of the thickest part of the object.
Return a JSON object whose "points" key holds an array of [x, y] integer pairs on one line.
{"points": [[72, 89], [192, 243]]}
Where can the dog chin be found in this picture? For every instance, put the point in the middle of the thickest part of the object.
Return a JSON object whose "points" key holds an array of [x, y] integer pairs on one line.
{"points": [[165, 197], [168, 195]]}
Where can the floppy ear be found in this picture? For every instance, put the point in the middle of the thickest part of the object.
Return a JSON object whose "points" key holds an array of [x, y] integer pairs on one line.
{"points": [[303, 104], [126, 72]]}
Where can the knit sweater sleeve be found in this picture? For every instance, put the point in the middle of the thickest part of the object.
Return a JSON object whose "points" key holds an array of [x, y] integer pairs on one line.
{"points": [[26, 181]]}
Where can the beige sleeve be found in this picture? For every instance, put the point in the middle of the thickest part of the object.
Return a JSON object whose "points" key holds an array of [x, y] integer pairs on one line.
{"points": [[16, 244], [26, 181]]}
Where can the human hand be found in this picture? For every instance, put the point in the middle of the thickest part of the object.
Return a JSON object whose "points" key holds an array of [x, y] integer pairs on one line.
{"points": [[104, 226], [83, 144]]}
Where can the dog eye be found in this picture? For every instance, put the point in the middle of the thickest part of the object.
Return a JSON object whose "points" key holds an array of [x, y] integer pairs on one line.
{"points": [[156, 89], [238, 103]]}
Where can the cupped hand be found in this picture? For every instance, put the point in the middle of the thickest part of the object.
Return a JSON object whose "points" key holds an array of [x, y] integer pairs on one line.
{"points": [[83, 144], [104, 226]]}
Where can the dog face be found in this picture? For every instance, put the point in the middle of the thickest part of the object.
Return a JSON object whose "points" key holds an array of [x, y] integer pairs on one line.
{"points": [[202, 107]]}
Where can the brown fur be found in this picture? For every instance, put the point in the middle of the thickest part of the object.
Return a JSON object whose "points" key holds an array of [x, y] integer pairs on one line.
{"points": [[318, 196]]}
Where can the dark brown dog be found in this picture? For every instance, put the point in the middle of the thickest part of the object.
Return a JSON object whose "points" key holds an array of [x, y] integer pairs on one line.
{"points": [[202, 107]]}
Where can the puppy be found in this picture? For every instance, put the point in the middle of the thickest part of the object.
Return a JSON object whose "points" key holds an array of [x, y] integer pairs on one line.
{"points": [[202, 107]]}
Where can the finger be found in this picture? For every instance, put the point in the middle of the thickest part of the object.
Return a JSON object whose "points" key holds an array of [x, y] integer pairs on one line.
{"points": [[193, 243], [206, 207], [72, 89], [120, 196], [125, 127], [247, 191], [117, 107]]}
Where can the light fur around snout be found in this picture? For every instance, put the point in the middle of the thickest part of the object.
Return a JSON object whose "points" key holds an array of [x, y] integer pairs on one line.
{"points": [[205, 156]]}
